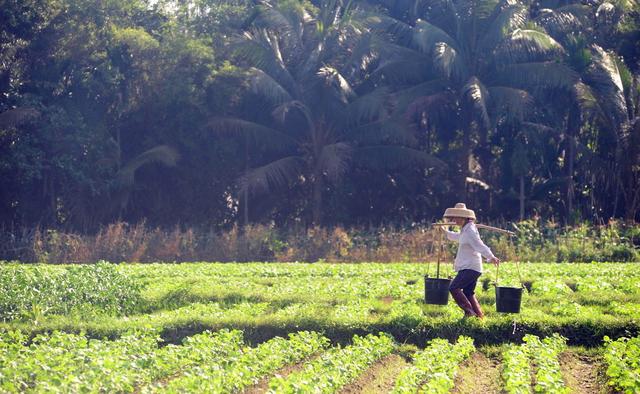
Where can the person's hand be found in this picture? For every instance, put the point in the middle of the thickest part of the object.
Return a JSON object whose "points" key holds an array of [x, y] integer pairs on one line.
{"points": [[495, 261]]}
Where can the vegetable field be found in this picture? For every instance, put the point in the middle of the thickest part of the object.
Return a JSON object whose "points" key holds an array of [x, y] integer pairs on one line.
{"points": [[298, 328]]}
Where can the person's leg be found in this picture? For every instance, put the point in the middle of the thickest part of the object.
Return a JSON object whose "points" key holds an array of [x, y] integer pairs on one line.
{"points": [[462, 280], [470, 292]]}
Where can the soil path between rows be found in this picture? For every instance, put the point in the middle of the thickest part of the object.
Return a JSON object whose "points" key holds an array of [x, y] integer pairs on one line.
{"points": [[478, 375], [582, 374], [263, 385], [379, 378]]}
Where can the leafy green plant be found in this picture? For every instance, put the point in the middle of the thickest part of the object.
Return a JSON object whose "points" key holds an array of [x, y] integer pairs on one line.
{"points": [[544, 354], [336, 367], [434, 368], [244, 368], [32, 292], [623, 363], [61, 362], [516, 371]]}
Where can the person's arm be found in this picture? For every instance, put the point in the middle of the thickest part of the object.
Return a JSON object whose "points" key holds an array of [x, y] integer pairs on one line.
{"points": [[480, 247], [452, 236]]}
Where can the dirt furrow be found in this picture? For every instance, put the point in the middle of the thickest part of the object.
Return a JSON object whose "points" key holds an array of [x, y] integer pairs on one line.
{"points": [[582, 373], [380, 378], [478, 374], [263, 385]]}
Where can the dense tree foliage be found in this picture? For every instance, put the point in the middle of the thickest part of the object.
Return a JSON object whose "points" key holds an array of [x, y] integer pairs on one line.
{"points": [[215, 112]]}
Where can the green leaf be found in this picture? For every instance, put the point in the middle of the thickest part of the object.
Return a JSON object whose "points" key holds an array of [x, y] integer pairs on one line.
{"points": [[275, 175]]}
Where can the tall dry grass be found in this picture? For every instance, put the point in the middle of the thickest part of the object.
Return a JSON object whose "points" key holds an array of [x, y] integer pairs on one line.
{"points": [[122, 242]]}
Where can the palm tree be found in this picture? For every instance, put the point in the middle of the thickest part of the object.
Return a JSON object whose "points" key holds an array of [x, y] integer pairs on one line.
{"points": [[303, 61], [602, 95], [487, 59]]}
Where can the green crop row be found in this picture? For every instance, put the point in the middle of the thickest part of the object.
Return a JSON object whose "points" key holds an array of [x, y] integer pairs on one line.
{"points": [[517, 360], [516, 370], [583, 302], [245, 368], [72, 363], [32, 292], [434, 369], [623, 364], [544, 354], [335, 368]]}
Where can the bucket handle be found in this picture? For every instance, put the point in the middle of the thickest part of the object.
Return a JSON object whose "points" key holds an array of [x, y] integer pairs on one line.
{"points": [[517, 262], [440, 241], [430, 252]]}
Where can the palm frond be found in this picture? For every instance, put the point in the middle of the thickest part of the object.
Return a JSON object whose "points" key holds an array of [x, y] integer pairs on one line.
{"points": [[510, 18], [272, 18], [281, 111], [390, 131], [514, 103], [402, 70], [477, 96], [288, 19], [541, 128], [337, 82], [250, 48], [370, 106], [403, 32], [275, 175], [254, 49], [565, 20], [426, 35], [404, 97], [604, 78], [393, 157], [364, 52], [606, 13], [586, 99], [264, 85], [163, 154], [481, 10], [613, 12], [537, 75], [334, 160], [256, 133], [525, 45], [312, 62], [447, 61], [439, 107]]}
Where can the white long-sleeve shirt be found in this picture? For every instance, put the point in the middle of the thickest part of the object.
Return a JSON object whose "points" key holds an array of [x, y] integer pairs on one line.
{"points": [[471, 249]]}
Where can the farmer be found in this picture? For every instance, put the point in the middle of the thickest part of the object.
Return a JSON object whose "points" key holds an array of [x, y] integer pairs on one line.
{"points": [[468, 262]]}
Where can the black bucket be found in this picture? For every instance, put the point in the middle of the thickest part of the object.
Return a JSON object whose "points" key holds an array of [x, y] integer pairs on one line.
{"points": [[436, 291], [508, 299]]}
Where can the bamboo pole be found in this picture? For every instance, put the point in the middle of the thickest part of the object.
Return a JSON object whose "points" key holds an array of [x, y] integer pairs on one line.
{"points": [[478, 225]]}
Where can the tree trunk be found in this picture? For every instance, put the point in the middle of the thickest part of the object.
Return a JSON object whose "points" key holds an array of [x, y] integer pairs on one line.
{"points": [[521, 197], [465, 159], [317, 199], [245, 202], [573, 130], [570, 183]]}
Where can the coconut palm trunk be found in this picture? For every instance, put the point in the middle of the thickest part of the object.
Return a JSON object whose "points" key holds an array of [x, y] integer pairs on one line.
{"points": [[317, 199], [522, 197]]}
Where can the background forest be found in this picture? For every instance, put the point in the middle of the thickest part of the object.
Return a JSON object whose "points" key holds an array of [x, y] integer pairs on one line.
{"points": [[214, 113]]}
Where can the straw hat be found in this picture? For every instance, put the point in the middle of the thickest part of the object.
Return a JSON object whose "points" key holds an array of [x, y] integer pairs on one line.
{"points": [[459, 211]]}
